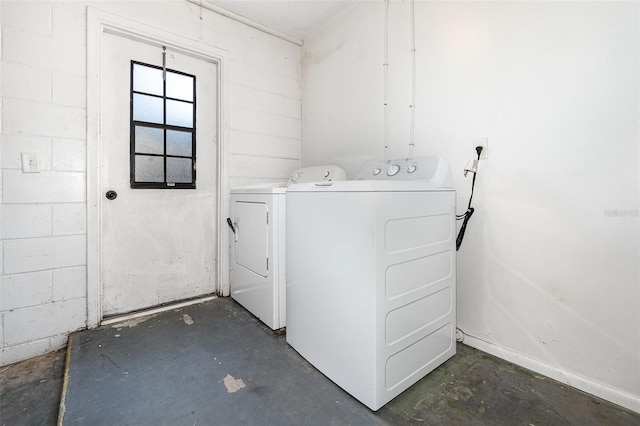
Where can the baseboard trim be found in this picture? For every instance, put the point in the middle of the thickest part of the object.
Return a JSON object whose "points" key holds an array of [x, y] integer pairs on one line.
{"points": [[616, 396]]}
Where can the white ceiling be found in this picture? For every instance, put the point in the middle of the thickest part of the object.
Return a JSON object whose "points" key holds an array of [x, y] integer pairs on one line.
{"points": [[295, 18]]}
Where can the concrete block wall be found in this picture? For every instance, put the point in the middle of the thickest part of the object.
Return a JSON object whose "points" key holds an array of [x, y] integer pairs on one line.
{"points": [[42, 227], [43, 275]]}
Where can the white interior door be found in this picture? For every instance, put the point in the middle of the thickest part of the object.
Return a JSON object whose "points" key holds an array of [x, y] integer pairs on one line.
{"points": [[159, 239]]}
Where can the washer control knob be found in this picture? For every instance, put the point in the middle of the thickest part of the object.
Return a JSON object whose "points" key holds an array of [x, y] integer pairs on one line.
{"points": [[294, 177], [393, 170], [326, 174], [412, 168], [376, 171]]}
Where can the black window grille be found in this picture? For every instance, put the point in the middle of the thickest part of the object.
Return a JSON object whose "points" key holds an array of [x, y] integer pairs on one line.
{"points": [[163, 128]]}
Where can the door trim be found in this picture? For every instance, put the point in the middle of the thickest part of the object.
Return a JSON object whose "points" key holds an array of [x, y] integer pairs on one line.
{"points": [[99, 23]]}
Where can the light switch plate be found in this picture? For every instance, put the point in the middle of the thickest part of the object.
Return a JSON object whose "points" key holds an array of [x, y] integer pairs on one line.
{"points": [[30, 162]]}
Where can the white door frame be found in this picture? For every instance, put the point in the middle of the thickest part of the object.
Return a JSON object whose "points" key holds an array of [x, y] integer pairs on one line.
{"points": [[99, 23]]}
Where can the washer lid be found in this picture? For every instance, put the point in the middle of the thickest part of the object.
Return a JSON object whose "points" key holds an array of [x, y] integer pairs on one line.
{"points": [[306, 174], [368, 186], [404, 174], [272, 188]]}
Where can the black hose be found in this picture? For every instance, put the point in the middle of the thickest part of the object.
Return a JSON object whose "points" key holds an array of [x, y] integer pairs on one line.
{"points": [[467, 215]]}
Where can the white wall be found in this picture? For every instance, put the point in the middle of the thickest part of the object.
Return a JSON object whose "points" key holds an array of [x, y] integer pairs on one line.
{"points": [[43, 282], [548, 275]]}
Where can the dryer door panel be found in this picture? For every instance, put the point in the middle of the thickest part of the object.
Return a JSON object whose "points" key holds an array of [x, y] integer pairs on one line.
{"points": [[251, 249]]}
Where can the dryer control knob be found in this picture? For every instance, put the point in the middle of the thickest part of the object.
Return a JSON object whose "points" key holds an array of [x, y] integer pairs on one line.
{"points": [[376, 171], [393, 170], [412, 168]]}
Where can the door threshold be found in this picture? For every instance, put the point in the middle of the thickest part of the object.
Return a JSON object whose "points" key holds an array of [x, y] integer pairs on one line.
{"points": [[156, 310]]}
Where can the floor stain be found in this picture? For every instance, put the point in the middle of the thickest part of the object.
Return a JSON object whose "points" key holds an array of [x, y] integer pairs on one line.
{"points": [[109, 359], [233, 385], [187, 319], [460, 393], [133, 322]]}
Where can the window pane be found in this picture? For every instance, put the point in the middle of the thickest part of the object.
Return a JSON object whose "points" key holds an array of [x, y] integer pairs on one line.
{"points": [[179, 86], [147, 108], [149, 169], [163, 116], [179, 170], [179, 143], [179, 113], [149, 140], [147, 79]]}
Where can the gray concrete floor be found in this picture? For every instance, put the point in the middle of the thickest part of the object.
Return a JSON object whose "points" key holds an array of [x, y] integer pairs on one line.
{"points": [[30, 390], [188, 366]]}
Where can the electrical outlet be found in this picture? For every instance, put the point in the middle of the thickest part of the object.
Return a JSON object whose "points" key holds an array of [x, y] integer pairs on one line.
{"points": [[484, 143]]}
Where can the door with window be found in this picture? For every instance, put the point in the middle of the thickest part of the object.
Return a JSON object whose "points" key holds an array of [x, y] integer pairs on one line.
{"points": [[158, 175]]}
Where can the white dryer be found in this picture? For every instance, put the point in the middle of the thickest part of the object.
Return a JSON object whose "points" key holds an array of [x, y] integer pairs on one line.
{"points": [[371, 275], [257, 218]]}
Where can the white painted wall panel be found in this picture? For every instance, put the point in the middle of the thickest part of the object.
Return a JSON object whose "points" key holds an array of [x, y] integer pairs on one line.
{"points": [[29, 16], [260, 100], [262, 145], [25, 221], [15, 353], [69, 283], [26, 82], [69, 90], [43, 119], [69, 154], [264, 123], [38, 254], [69, 23], [68, 219], [42, 51], [268, 81], [260, 167], [44, 321], [285, 62], [44, 187], [24, 290]]}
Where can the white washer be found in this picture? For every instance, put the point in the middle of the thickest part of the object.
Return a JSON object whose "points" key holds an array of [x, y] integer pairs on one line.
{"points": [[257, 271], [371, 276]]}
